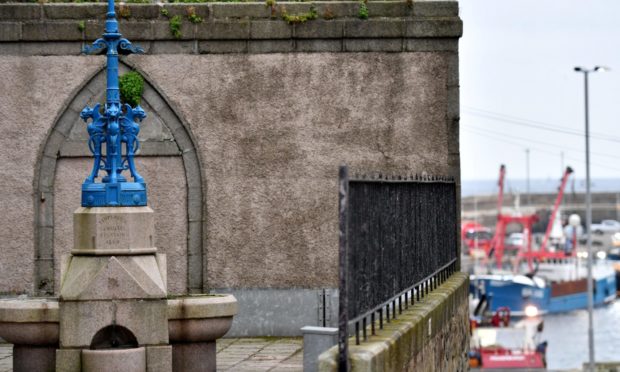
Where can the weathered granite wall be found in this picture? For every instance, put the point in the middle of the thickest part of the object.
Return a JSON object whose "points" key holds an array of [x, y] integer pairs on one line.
{"points": [[252, 117], [432, 335]]}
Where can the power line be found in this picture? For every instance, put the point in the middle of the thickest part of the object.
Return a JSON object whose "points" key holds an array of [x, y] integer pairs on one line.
{"points": [[529, 140], [537, 149], [536, 124], [602, 166]]}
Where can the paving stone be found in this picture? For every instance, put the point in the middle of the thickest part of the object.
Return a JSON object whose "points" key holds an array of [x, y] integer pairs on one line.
{"points": [[259, 355]]}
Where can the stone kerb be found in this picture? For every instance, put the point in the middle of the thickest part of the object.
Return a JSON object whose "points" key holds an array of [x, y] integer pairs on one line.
{"points": [[248, 27], [437, 325]]}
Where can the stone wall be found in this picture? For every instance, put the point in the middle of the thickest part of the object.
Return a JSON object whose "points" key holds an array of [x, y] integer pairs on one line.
{"points": [[249, 118], [392, 26], [432, 335]]}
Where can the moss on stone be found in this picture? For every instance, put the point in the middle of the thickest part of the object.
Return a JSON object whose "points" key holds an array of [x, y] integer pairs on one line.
{"points": [[406, 340]]}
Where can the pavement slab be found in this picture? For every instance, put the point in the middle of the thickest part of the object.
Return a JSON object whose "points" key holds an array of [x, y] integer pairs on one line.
{"points": [[233, 354]]}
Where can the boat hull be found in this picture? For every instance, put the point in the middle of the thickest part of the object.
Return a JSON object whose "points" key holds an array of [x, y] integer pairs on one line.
{"points": [[518, 292]]}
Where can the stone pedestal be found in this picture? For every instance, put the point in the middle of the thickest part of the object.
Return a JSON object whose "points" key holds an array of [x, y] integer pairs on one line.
{"points": [[113, 313], [113, 304]]}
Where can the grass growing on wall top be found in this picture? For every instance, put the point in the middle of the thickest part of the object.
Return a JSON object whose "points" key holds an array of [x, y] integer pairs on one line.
{"points": [[150, 1]]}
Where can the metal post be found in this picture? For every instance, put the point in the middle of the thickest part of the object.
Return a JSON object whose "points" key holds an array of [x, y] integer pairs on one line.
{"points": [[527, 175], [111, 129], [617, 206], [343, 319], [586, 73], [589, 240], [372, 324]]}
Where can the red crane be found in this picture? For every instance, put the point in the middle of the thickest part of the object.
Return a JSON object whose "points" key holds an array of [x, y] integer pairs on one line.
{"points": [[527, 221], [504, 219], [544, 252]]}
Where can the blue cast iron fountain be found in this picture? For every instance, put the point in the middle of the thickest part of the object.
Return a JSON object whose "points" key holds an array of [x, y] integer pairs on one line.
{"points": [[113, 308], [116, 126]]}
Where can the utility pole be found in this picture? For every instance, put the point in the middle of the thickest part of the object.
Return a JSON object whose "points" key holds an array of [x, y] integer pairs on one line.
{"points": [[527, 176], [589, 218]]}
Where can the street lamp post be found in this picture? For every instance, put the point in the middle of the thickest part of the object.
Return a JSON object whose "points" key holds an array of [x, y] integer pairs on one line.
{"points": [[586, 72]]}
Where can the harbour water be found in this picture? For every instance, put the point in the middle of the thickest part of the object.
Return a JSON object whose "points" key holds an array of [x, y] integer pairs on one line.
{"points": [[567, 335]]}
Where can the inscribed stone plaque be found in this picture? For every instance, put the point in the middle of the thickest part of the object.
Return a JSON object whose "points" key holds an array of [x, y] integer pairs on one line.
{"points": [[110, 230]]}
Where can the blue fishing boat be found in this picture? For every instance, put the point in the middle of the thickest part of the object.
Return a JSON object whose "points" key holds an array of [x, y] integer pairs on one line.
{"points": [[556, 287]]}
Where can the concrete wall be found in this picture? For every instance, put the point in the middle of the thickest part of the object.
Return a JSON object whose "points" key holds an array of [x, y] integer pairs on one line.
{"points": [[271, 135], [249, 118]]}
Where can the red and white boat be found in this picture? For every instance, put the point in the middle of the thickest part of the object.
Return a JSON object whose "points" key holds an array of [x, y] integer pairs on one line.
{"points": [[498, 345]]}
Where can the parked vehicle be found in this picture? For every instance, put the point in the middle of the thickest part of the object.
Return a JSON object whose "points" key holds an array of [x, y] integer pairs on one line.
{"points": [[476, 238], [615, 239], [611, 226], [596, 240], [515, 240]]}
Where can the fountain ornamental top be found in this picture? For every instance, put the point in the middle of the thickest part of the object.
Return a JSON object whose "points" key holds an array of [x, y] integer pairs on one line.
{"points": [[113, 127]]}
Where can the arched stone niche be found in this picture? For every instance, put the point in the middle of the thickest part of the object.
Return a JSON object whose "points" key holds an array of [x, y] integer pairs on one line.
{"points": [[169, 163]]}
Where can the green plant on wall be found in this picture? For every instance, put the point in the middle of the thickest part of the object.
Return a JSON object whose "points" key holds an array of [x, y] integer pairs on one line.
{"points": [[328, 13], [175, 26], [363, 12], [272, 5], [124, 11], [81, 26], [299, 18], [192, 16], [131, 86], [165, 12]]}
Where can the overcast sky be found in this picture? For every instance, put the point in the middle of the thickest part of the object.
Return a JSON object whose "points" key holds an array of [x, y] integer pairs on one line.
{"points": [[517, 82]]}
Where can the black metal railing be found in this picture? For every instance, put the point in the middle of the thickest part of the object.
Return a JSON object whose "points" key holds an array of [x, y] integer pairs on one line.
{"points": [[398, 241]]}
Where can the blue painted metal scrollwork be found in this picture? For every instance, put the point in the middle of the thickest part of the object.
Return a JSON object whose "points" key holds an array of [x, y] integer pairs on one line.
{"points": [[115, 126]]}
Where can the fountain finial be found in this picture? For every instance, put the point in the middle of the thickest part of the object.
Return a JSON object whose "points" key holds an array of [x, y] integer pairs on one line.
{"points": [[118, 124]]}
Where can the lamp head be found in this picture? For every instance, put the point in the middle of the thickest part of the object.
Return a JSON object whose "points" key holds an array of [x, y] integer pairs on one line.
{"points": [[602, 68], [579, 69]]}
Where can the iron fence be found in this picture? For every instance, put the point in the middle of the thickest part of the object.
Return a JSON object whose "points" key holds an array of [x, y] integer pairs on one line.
{"points": [[398, 241]]}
